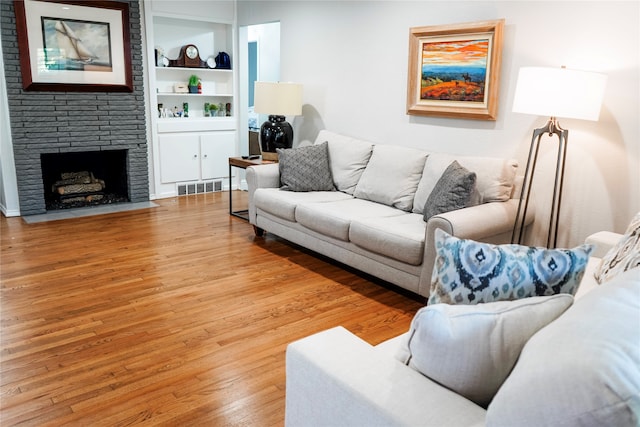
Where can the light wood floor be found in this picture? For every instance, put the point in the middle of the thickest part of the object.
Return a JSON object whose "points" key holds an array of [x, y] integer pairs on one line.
{"points": [[175, 315]]}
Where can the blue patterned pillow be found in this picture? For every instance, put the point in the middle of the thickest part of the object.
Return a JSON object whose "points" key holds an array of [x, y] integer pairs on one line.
{"points": [[469, 272]]}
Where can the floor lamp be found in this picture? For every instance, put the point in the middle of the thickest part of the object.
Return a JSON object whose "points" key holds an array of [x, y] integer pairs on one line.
{"points": [[277, 100], [555, 93]]}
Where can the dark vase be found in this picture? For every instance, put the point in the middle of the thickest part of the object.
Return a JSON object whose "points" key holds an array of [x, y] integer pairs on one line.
{"points": [[275, 133]]}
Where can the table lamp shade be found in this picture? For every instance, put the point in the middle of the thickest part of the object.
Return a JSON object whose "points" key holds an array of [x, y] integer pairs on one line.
{"points": [[559, 92], [280, 99], [277, 100]]}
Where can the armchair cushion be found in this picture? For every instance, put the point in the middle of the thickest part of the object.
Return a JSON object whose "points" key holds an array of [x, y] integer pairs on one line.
{"points": [[472, 349], [581, 370]]}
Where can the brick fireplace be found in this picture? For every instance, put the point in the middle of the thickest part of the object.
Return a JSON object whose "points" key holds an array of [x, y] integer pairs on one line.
{"points": [[46, 124]]}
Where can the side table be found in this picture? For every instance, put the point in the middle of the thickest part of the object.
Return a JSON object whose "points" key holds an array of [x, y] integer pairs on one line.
{"points": [[239, 162]]}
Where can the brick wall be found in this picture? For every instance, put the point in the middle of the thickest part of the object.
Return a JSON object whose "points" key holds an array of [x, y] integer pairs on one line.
{"points": [[57, 122]]}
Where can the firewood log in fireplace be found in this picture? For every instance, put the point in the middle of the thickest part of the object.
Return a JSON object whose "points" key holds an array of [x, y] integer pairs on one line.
{"points": [[78, 183], [80, 188]]}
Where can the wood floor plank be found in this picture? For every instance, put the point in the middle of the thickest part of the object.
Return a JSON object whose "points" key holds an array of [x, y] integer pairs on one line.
{"points": [[174, 315]]}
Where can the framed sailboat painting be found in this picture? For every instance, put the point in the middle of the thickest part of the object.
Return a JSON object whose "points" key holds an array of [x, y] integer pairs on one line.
{"points": [[68, 45]]}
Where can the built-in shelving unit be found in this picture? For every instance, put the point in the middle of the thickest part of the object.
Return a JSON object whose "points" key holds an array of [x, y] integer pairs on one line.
{"points": [[193, 151]]}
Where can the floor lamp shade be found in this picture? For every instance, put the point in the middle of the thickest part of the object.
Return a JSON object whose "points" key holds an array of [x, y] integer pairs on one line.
{"points": [[555, 93], [559, 92], [278, 100]]}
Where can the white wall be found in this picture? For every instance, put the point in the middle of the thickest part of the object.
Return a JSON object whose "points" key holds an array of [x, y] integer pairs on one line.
{"points": [[351, 57], [9, 204]]}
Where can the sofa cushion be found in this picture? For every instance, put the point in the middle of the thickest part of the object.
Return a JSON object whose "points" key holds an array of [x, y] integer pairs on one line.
{"points": [[624, 256], [399, 237], [391, 176], [305, 168], [470, 272], [347, 158], [283, 203], [453, 191], [472, 349], [581, 370], [334, 218], [494, 177]]}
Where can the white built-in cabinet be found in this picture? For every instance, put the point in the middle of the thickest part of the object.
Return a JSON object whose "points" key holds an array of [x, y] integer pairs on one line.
{"points": [[195, 156], [194, 149]]}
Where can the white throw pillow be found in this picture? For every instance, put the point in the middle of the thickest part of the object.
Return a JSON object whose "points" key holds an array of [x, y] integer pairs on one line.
{"points": [[494, 177], [625, 255], [347, 159], [391, 176], [472, 349], [583, 369]]}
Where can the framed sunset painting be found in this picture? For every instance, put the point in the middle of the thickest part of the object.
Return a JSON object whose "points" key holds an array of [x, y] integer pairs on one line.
{"points": [[454, 70]]}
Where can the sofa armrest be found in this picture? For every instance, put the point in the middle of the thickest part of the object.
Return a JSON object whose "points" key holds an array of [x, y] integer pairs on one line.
{"points": [[603, 241], [489, 222], [335, 378], [261, 176]]}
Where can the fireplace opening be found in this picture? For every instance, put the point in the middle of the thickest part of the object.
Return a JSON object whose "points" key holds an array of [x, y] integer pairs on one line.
{"points": [[81, 179]]}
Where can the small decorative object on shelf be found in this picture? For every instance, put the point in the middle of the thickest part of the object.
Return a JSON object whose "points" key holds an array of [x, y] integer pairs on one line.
{"points": [[194, 81], [180, 88], [189, 56], [223, 61], [206, 110], [161, 60], [185, 109]]}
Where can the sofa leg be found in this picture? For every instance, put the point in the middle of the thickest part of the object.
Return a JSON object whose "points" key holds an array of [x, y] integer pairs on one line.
{"points": [[258, 231]]}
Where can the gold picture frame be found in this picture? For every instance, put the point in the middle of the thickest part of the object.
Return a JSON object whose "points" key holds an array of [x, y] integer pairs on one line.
{"points": [[454, 70]]}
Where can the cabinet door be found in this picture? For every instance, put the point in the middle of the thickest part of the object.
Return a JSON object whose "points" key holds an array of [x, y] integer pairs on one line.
{"points": [[216, 148], [179, 157]]}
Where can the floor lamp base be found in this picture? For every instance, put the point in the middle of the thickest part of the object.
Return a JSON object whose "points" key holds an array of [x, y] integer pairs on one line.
{"points": [[552, 128]]}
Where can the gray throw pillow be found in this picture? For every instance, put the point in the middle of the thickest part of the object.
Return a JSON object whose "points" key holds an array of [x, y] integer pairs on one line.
{"points": [[453, 191], [305, 168]]}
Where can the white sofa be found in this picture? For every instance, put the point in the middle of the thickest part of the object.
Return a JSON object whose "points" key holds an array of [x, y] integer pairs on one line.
{"points": [[374, 221], [589, 375]]}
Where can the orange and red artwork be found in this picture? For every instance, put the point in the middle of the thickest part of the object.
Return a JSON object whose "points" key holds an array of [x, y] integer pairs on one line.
{"points": [[454, 70]]}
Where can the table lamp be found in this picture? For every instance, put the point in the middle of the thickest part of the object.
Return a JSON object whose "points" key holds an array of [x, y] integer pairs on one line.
{"points": [[553, 92], [277, 100]]}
